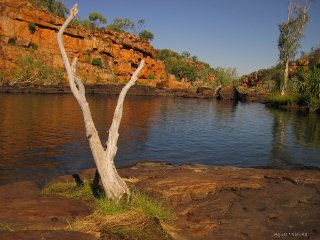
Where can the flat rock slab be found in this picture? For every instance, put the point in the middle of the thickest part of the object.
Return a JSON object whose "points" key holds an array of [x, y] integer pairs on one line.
{"points": [[233, 203], [22, 206], [45, 235]]}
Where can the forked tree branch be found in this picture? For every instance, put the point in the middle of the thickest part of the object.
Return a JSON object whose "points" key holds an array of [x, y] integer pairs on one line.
{"points": [[113, 185]]}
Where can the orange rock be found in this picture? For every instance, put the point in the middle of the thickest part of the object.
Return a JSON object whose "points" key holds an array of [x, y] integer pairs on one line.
{"points": [[120, 53]]}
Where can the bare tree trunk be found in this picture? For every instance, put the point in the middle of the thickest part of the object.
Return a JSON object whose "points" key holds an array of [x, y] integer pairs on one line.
{"points": [[112, 183], [285, 78]]}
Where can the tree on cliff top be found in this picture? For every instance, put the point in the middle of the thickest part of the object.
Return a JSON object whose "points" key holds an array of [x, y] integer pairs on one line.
{"points": [[146, 34], [121, 25], [97, 19], [291, 33], [113, 185]]}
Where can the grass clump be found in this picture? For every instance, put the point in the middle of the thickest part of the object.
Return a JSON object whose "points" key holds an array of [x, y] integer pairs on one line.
{"points": [[138, 201], [70, 190], [150, 207], [133, 218], [5, 227], [97, 62], [287, 99]]}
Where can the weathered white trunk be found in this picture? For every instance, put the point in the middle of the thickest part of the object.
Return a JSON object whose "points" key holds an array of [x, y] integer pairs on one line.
{"points": [[112, 183], [285, 78]]}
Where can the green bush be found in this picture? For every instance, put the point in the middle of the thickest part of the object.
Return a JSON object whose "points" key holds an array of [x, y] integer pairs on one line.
{"points": [[53, 6], [151, 76], [309, 86], [32, 28], [97, 62], [146, 34], [87, 59]]}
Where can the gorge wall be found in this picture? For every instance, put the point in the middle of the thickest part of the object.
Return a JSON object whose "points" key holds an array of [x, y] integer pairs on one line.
{"points": [[120, 53]]}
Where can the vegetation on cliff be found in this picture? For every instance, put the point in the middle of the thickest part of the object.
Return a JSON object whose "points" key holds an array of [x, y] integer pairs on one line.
{"points": [[188, 68], [54, 6]]}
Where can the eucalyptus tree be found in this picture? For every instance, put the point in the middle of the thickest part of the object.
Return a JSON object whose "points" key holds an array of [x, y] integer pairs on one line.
{"points": [[113, 185], [291, 33]]}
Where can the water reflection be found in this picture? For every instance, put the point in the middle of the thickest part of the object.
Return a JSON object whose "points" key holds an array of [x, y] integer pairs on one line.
{"points": [[42, 136], [295, 137]]}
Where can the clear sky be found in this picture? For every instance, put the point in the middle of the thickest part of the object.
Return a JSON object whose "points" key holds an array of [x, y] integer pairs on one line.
{"points": [[227, 33]]}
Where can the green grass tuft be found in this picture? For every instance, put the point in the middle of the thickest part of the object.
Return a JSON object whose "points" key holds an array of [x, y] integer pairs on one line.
{"points": [[110, 207], [5, 227], [138, 201], [70, 190], [150, 207], [277, 98]]}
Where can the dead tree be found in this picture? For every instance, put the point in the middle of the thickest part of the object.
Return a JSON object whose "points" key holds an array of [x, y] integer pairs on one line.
{"points": [[113, 185]]}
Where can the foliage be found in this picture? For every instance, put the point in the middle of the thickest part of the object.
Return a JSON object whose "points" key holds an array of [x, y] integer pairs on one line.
{"points": [[53, 6], [277, 98], [291, 33], [138, 201], [186, 66], [121, 25], [151, 76], [97, 62], [97, 19], [309, 86], [87, 59], [86, 23], [146, 34], [226, 76], [33, 71], [32, 27]]}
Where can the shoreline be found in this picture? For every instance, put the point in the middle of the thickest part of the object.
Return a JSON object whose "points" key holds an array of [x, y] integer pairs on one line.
{"points": [[137, 90], [209, 203]]}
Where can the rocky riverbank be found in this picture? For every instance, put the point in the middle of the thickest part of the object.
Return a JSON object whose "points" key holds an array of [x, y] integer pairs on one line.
{"points": [[208, 202], [225, 93]]}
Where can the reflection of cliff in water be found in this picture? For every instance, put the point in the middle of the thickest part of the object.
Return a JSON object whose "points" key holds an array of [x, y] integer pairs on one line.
{"points": [[46, 132], [296, 132]]}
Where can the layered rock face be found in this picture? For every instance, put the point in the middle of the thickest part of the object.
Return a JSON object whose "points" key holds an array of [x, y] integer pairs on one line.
{"points": [[104, 56]]}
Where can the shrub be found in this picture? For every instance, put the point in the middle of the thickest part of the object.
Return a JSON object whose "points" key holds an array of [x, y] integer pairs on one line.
{"points": [[97, 62], [151, 76], [87, 59], [146, 34], [226, 76], [309, 86], [53, 6], [32, 28]]}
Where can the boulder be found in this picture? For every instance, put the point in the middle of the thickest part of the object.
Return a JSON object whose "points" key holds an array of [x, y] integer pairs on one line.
{"points": [[229, 93]]}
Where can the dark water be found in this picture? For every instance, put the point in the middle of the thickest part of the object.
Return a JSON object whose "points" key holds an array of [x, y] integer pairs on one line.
{"points": [[42, 136]]}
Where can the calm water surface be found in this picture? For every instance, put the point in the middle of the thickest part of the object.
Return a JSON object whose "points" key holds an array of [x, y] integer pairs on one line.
{"points": [[42, 136]]}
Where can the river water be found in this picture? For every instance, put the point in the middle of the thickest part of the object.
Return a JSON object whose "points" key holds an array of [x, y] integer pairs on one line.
{"points": [[42, 136]]}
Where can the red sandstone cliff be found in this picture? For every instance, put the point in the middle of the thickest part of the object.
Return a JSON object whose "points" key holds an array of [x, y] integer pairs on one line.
{"points": [[120, 52]]}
